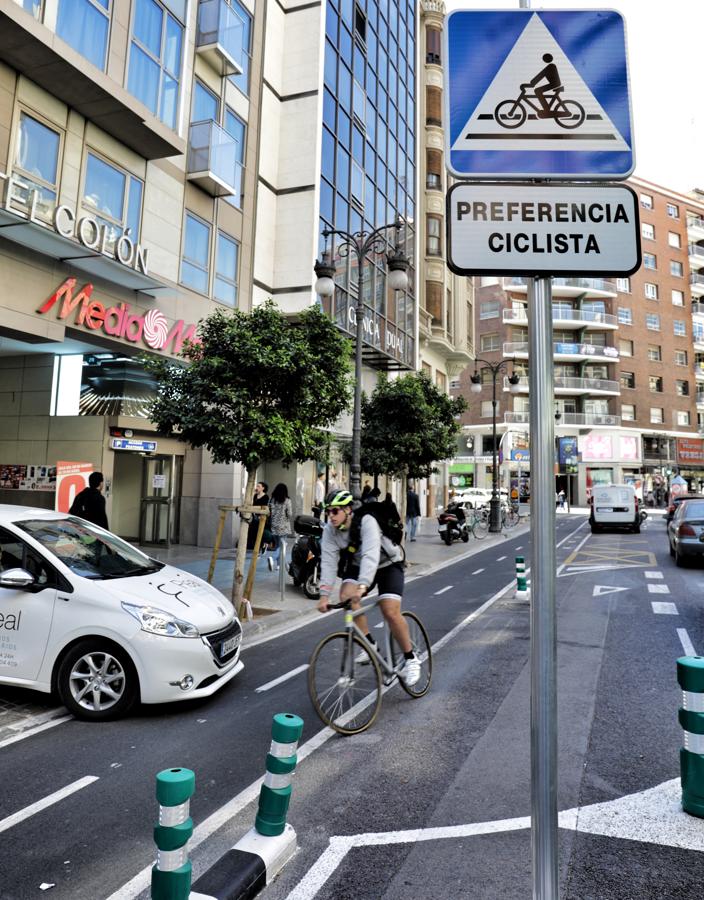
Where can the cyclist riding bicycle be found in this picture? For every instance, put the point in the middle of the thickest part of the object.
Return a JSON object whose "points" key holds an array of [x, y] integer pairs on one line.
{"points": [[376, 562]]}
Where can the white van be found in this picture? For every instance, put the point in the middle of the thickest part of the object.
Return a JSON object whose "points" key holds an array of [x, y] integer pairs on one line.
{"points": [[614, 506]]}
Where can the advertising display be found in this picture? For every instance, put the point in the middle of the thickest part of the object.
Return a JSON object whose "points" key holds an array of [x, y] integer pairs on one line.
{"points": [[71, 478], [28, 477]]}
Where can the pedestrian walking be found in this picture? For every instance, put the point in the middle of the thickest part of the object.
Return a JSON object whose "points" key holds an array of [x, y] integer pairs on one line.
{"points": [[261, 498], [318, 494], [561, 499], [412, 512], [281, 523], [89, 504]]}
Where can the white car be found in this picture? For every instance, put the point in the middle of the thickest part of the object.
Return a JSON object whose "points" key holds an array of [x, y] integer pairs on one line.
{"points": [[474, 498], [87, 615]]}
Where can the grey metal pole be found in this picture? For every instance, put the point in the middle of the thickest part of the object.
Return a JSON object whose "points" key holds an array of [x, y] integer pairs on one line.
{"points": [[543, 705], [355, 464], [494, 503]]}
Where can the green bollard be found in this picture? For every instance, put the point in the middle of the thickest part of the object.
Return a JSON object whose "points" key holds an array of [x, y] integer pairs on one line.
{"points": [[171, 874], [690, 677], [521, 580], [275, 795]]}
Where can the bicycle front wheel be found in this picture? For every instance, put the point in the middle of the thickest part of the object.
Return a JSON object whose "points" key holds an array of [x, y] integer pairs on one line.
{"points": [[510, 114], [480, 529], [421, 648], [345, 692]]}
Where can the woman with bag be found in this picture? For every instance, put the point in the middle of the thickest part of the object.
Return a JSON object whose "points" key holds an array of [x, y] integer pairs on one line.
{"points": [[280, 522]]}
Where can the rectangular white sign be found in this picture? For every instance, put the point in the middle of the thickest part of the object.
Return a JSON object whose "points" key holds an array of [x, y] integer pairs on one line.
{"points": [[504, 229]]}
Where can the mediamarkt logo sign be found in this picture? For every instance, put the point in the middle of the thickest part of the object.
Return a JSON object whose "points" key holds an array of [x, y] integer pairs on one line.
{"points": [[152, 328]]}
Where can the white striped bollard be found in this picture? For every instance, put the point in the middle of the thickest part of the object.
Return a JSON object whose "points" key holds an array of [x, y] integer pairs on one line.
{"points": [[521, 579], [690, 677], [171, 874], [275, 795]]}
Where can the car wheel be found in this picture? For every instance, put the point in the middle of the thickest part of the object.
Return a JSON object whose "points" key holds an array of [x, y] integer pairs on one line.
{"points": [[672, 550], [636, 529], [97, 681]]}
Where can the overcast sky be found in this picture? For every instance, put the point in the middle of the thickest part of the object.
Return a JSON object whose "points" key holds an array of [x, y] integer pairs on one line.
{"points": [[664, 41]]}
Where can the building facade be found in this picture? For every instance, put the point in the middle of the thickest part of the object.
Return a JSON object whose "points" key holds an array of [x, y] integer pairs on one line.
{"points": [[625, 360]]}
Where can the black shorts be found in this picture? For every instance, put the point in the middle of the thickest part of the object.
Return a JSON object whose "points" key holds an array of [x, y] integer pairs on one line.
{"points": [[389, 580]]}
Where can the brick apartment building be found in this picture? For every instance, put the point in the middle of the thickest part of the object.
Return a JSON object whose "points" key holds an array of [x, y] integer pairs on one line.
{"points": [[629, 365]]}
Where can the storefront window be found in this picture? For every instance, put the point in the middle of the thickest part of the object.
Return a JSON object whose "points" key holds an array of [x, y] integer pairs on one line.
{"points": [[84, 25]]}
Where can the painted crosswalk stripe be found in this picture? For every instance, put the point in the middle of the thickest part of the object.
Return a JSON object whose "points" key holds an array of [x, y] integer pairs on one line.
{"points": [[658, 589], [29, 811], [442, 590], [477, 571], [280, 680], [664, 609], [687, 645], [654, 575]]}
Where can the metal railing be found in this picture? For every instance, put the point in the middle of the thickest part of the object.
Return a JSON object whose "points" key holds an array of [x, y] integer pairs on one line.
{"points": [[219, 24], [573, 383], [564, 315], [566, 348], [696, 279], [212, 150], [595, 284], [695, 222]]}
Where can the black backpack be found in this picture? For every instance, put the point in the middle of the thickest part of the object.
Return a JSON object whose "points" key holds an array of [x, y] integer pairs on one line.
{"points": [[387, 518]]}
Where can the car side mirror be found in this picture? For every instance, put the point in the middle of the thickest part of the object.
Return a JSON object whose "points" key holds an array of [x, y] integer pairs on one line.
{"points": [[16, 579]]}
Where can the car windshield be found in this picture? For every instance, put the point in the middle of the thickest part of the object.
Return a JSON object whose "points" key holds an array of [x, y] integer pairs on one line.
{"points": [[88, 551]]}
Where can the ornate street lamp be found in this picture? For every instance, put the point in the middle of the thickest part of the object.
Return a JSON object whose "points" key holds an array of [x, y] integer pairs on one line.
{"points": [[361, 244], [476, 388]]}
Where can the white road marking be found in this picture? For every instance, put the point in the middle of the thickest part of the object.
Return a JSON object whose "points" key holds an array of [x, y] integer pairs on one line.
{"points": [[442, 590], [687, 645], [477, 572], [654, 575], [30, 732], [519, 547], [658, 589], [500, 558], [653, 816], [280, 680], [664, 609], [29, 811], [601, 589], [380, 625]]}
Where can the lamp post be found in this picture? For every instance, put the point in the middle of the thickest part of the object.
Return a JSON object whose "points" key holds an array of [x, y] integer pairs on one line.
{"points": [[476, 388], [361, 243]]}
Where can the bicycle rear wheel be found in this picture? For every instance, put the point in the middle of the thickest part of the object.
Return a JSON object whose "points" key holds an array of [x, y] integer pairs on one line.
{"points": [[346, 694], [480, 529], [421, 648]]}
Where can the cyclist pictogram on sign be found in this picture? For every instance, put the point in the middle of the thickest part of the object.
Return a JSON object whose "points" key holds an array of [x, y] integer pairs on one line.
{"points": [[550, 101]]}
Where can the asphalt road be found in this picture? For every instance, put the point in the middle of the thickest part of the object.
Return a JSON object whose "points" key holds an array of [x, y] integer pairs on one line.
{"points": [[456, 757]]}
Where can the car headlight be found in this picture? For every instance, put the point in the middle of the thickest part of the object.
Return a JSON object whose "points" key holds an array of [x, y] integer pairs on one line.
{"points": [[158, 621]]}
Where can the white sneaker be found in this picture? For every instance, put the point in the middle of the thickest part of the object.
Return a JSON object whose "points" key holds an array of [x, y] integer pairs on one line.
{"points": [[411, 671]]}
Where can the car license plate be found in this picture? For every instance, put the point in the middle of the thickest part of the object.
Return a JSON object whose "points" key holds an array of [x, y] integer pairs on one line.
{"points": [[604, 509], [229, 645], [442, 527]]}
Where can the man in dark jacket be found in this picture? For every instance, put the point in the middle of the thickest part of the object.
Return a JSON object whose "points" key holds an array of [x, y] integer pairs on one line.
{"points": [[90, 503], [412, 512]]}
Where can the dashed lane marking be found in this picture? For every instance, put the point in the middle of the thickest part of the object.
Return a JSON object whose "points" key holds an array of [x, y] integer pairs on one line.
{"points": [[661, 608], [687, 645], [658, 589], [442, 590], [29, 811], [501, 558], [280, 680], [477, 571], [654, 575]]}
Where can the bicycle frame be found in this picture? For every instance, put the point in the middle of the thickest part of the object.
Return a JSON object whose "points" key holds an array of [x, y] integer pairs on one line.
{"points": [[352, 628], [554, 101]]}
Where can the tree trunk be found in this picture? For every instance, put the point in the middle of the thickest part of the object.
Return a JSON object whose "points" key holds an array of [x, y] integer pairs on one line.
{"points": [[240, 559], [404, 500]]}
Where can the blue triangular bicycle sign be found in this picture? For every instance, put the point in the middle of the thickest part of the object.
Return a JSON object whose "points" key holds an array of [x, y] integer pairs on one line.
{"points": [[537, 94]]}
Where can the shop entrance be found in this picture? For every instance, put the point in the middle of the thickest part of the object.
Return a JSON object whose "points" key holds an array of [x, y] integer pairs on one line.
{"points": [[146, 498]]}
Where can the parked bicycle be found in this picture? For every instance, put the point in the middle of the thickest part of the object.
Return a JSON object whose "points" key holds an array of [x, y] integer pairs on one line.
{"points": [[347, 673], [513, 113], [478, 523]]}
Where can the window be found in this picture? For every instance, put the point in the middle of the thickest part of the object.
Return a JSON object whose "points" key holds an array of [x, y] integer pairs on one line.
{"points": [[625, 316], [37, 157], [623, 285], [682, 417], [656, 415], [651, 290], [682, 388], [206, 105], [650, 261], [648, 231], [226, 257], [237, 129], [486, 376], [625, 348], [678, 298], [84, 26], [487, 410], [489, 309], [680, 357], [195, 254], [434, 246], [646, 201], [698, 332], [242, 81], [113, 197], [673, 211], [628, 380], [155, 60], [360, 24], [674, 240], [441, 381], [433, 46], [628, 412], [652, 321], [655, 384], [426, 369], [489, 342], [654, 353], [680, 328], [676, 268]]}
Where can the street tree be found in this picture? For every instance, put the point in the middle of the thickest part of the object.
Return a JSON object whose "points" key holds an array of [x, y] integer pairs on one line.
{"points": [[408, 425], [257, 386]]}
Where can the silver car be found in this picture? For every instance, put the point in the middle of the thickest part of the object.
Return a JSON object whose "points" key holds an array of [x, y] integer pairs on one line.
{"points": [[686, 531]]}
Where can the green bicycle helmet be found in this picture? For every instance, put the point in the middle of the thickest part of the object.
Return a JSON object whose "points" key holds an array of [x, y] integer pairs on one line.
{"points": [[338, 498]]}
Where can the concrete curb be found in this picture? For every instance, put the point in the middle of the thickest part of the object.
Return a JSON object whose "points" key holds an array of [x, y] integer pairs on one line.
{"points": [[247, 868]]}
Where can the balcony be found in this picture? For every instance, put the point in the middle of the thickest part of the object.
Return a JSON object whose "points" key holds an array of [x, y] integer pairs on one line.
{"points": [[568, 287], [695, 228], [425, 322], [696, 285], [698, 309], [565, 352], [700, 399], [219, 37], [212, 160], [698, 340], [574, 386], [581, 420], [567, 318], [34, 50], [699, 372], [696, 256]]}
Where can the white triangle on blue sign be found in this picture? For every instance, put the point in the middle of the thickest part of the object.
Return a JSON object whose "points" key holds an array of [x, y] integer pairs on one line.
{"points": [[567, 130]]}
